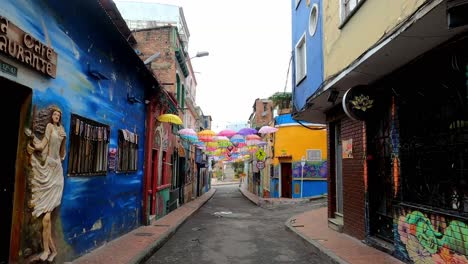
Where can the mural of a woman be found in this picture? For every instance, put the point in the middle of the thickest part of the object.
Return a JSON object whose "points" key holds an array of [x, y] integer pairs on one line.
{"points": [[47, 180]]}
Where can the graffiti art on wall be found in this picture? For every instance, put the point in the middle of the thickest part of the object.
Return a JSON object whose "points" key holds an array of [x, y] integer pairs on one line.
{"points": [[431, 238], [312, 169], [47, 151]]}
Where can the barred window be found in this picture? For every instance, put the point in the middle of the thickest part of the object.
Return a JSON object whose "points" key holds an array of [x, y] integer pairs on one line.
{"points": [[128, 151], [89, 141], [314, 155]]}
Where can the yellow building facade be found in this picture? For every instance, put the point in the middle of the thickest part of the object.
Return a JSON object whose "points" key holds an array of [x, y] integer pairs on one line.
{"points": [[294, 143]]}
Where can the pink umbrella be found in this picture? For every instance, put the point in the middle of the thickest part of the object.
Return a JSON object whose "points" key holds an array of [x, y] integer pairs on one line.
{"points": [[187, 132], [227, 133], [267, 130], [253, 137]]}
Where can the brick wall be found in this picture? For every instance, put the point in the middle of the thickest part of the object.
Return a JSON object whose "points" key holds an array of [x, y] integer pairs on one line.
{"points": [[160, 40], [331, 170], [260, 119], [353, 180]]}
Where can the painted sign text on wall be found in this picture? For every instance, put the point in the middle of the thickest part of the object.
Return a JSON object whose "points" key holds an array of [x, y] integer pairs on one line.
{"points": [[26, 49]]}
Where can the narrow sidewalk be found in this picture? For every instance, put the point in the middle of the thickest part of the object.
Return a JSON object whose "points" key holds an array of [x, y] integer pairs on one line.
{"points": [[332, 246], [139, 244], [329, 245]]}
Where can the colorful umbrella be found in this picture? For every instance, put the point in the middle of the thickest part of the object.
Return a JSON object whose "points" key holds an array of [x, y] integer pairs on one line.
{"points": [[247, 131], [187, 132], [253, 137], [227, 133], [267, 130], [170, 118], [206, 135]]}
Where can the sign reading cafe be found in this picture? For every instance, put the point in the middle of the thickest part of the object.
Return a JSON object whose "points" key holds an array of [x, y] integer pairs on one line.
{"points": [[23, 47]]}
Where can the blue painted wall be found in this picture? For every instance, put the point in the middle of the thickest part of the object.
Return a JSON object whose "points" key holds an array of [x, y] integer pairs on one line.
{"points": [[274, 188], [94, 209], [311, 188], [300, 25]]}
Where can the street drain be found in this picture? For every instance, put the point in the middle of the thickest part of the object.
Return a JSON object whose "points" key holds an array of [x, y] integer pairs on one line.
{"points": [[160, 225], [143, 234]]}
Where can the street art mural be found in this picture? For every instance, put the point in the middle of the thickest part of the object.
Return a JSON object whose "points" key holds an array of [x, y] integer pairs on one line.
{"points": [[312, 169], [94, 79], [47, 152], [430, 238]]}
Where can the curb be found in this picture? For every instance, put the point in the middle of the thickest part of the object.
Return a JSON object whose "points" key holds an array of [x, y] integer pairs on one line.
{"points": [[248, 198], [325, 255], [150, 250], [224, 183]]}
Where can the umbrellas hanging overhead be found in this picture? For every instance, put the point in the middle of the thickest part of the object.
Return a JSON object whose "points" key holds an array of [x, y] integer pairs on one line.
{"points": [[267, 130], [170, 118], [187, 132], [253, 137], [227, 133], [206, 135], [247, 131]]}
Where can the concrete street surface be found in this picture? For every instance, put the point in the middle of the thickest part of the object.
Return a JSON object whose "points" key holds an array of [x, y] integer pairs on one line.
{"points": [[231, 229]]}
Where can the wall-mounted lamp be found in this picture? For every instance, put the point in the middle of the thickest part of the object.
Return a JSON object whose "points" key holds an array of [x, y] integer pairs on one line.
{"points": [[333, 96], [152, 58], [199, 54], [132, 99]]}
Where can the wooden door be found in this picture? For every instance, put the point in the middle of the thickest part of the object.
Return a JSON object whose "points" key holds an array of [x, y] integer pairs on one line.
{"points": [[286, 180]]}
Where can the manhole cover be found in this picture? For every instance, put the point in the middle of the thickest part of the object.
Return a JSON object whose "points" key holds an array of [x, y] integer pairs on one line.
{"points": [[143, 234]]}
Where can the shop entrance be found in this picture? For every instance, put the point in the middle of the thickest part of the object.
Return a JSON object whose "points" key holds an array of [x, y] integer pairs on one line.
{"points": [[19, 100], [286, 180]]}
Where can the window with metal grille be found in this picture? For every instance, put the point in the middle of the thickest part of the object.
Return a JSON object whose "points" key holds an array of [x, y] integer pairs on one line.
{"points": [[127, 152], [433, 123], [314, 155], [89, 142]]}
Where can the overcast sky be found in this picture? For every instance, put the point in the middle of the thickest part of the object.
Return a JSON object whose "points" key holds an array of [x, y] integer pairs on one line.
{"points": [[249, 42]]}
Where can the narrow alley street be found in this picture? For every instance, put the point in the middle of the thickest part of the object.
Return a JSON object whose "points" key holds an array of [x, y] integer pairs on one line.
{"points": [[230, 229]]}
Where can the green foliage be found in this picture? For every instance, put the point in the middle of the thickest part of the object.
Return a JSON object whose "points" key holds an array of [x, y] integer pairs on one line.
{"points": [[281, 99], [238, 168]]}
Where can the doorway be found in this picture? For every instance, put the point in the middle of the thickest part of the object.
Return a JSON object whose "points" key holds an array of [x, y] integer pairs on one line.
{"points": [[286, 180], [339, 170], [380, 175], [154, 183], [18, 107]]}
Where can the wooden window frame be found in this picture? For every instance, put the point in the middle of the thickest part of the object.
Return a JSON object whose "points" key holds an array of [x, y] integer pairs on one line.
{"points": [[88, 151]]}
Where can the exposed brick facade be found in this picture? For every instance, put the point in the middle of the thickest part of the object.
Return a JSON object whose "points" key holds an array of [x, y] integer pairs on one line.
{"points": [[353, 180], [151, 41], [331, 170], [353, 173]]}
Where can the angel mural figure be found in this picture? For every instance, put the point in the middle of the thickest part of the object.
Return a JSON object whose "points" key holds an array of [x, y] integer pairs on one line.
{"points": [[47, 151]]}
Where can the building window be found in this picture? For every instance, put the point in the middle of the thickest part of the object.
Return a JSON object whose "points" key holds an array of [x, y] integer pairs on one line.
{"points": [[313, 19], [89, 142], [300, 56], [128, 151], [314, 155], [348, 8]]}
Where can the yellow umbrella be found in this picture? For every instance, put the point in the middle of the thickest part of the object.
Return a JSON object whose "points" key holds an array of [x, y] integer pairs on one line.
{"points": [[207, 132], [170, 118]]}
